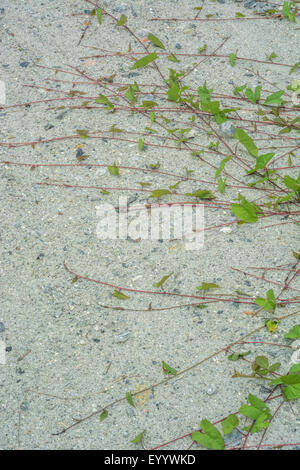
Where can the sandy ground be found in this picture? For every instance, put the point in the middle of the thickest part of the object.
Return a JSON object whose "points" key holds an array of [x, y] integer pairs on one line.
{"points": [[64, 355]]}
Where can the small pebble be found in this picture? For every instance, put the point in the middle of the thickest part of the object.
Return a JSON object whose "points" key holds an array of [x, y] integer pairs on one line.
{"points": [[227, 129], [2, 327], [130, 412], [121, 8], [24, 64], [24, 406], [178, 45], [48, 126], [56, 314], [122, 337], [211, 389]]}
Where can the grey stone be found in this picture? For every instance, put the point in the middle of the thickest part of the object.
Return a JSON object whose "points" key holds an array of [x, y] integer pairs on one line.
{"points": [[121, 8], [233, 439], [2, 327], [178, 45], [211, 389], [250, 4], [56, 313], [24, 64], [122, 337], [226, 129]]}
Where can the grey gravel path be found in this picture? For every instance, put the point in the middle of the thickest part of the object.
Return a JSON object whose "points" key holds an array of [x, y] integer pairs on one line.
{"points": [[66, 355]]}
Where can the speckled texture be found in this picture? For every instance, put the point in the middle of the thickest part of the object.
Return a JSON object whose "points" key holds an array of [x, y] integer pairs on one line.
{"points": [[72, 362]]}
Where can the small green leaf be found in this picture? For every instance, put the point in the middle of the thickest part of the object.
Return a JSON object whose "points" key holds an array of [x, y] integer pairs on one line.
{"points": [[207, 286], [114, 170], [229, 424], [239, 15], [144, 61], [172, 57], [202, 194], [274, 98], [246, 141], [211, 438], [83, 133], [99, 15], [236, 356], [103, 415], [130, 399], [155, 41], [120, 295], [122, 20], [160, 192], [295, 66], [221, 185], [222, 165], [232, 58], [168, 369], [163, 280], [138, 438], [293, 333]]}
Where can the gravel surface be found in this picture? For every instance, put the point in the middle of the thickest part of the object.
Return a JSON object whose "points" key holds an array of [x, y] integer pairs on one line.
{"points": [[68, 356]]}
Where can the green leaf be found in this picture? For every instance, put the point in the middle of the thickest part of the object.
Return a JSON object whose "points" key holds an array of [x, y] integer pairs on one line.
{"points": [[207, 286], [274, 98], [253, 97], [211, 438], [290, 379], [99, 15], [168, 369], [245, 214], [239, 15], [229, 424], [120, 295], [222, 165], [232, 58], [295, 66], [163, 280], [83, 133], [160, 192], [122, 20], [154, 167], [172, 57], [130, 399], [257, 411], [174, 92], [292, 183], [103, 100], [262, 361], [268, 304], [293, 333], [144, 61], [286, 9], [221, 185], [103, 415], [292, 391], [239, 89], [141, 144], [202, 194], [204, 93], [262, 161], [138, 438], [114, 170], [246, 141], [155, 41], [236, 356]]}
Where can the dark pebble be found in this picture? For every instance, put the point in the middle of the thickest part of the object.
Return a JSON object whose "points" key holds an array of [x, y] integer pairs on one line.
{"points": [[61, 115], [79, 153], [132, 74], [41, 255], [24, 64], [20, 371], [178, 45], [8, 349], [96, 340], [220, 312], [2, 11], [2, 327], [48, 126]]}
